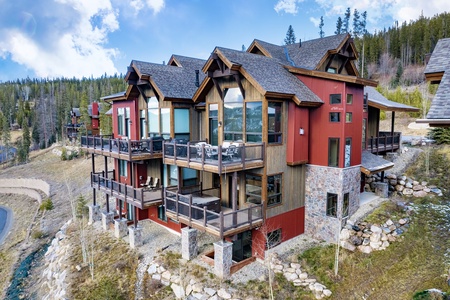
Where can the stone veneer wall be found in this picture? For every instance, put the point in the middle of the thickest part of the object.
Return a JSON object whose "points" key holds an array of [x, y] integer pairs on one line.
{"points": [[320, 181]]}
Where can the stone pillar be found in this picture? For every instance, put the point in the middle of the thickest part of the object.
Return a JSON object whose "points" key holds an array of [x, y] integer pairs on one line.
{"points": [[135, 234], [107, 219], [94, 213], [120, 228], [381, 189], [189, 247], [223, 253]]}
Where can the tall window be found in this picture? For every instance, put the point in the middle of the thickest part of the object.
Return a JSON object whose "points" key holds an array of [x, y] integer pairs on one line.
{"points": [[181, 120], [153, 117], [127, 122], [253, 121], [165, 122], [348, 117], [333, 152], [332, 202], [349, 98], [213, 124], [253, 188], [335, 99], [274, 190], [233, 114], [347, 152], [123, 168], [335, 117], [275, 133], [121, 121], [345, 205]]}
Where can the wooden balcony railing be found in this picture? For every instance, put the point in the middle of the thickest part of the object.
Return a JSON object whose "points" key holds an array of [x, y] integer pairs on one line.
{"points": [[138, 197], [129, 148], [199, 155], [384, 142], [206, 215]]}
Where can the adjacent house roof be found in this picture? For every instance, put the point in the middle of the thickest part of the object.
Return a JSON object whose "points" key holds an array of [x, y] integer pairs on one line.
{"points": [[371, 163], [171, 81], [379, 101], [438, 71], [115, 96]]}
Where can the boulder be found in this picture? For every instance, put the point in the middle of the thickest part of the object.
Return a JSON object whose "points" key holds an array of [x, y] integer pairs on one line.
{"points": [[419, 194], [356, 240], [347, 245], [345, 234], [365, 249], [222, 293], [178, 291], [375, 229]]}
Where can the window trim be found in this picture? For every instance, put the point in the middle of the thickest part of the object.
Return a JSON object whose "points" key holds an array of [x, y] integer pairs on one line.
{"points": [[330, 139], [349, 99], [251, 194], [278, 195], [331, 119], [334, 98], [278, 136], [348, 141], [331, 205], [348, 114]]}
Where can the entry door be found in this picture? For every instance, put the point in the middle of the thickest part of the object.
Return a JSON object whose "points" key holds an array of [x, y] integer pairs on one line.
{"points": [[213, 131], [242, 247]]}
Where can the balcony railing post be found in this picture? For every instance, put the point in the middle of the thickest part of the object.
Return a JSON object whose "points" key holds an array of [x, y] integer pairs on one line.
{"points": [[385, 142], [219, 158], [190, 208], [221, 226], [204, 216], [250, 215], [188, 151], [176, 204]]}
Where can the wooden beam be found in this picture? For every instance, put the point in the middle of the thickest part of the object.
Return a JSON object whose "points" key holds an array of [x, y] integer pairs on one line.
{"points": [[329, 62], [239, 82], [216, 84], [342, 66]]}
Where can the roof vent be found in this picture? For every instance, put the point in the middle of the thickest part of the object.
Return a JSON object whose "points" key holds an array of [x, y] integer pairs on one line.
{"points": [[197, 79], [299, 43]]}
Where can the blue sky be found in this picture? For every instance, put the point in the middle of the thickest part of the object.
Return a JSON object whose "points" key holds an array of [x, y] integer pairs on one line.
{"points": [[76, 38]]}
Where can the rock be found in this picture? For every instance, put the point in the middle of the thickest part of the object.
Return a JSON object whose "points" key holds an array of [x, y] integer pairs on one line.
{"points": [[345, 234], [415, 182], [366, 242], [295, 266], [417, 187], [326, 293], [384, 237], [303, 276], [188, 289], [197, 288], [197, 295], [423, 183], [375, 229], [391, 238], [318, 287], [386, 230], [152, 269], [391, 176], [389, 222], [156, 276], [399, 231], [289, 270], [222, 293], [78, 267], [401, 182], [402, 221], [392, 228], [399, 188], [408, 185], [347, 245], [166, 275], [356, 240], [209, 291], [375, 237], [297, 282], [385, 244], [178, 291], [375, 245], [426, 190], [419, 194], [435, 190], [365, 249], [356, 228], [291, 276], [407, 191]]}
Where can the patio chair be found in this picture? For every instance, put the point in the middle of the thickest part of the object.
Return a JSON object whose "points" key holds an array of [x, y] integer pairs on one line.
{"points": [[148, 182], [230, 151], [199, 149], [155, 183]]}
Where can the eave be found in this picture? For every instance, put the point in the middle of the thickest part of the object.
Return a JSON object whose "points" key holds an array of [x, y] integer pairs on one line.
{"points": [[435, 122], [331, 76], [390, 108], [256, 45], [434, 77]]}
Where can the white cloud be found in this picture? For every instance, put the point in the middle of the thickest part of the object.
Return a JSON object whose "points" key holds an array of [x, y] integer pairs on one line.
{"points": [[155, 5], [287, 6], [315, 21], [70, 39]]}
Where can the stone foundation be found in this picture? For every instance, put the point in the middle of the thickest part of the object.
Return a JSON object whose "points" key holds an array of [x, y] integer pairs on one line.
{"points": [[94, 213], [223, 253], [135, 234], [107, 219], [189, 246], [381, 189], [120, 228]]}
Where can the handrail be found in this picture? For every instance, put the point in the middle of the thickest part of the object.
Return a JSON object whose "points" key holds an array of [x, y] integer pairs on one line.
{"points": [[384, 141]]}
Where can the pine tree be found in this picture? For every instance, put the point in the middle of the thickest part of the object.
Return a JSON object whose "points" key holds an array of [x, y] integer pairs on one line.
{"points": [[346, 20], [356, 24], [321, 32], [338, 26], [290, 36], [363, 23]]}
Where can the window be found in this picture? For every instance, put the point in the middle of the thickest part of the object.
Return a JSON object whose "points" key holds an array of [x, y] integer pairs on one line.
{"points": [[364, 125], [333, 152], [121, 121], [335, 99], [165, 122], [232, 114], [335, 117], [127, 122], [347, 152], [332, 70], [253, 121], [275, 134], [332, 201], [348, 117], [273, 238], [162, 213], [253, 185], [274, 190], [365, 105], [345, 205], [153, 117], [349, 98], [123, 168], [181, 120]]}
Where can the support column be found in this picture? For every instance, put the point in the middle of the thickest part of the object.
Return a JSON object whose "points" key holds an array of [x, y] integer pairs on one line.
{"points": [[107, 219], [223, 253], [93, 172], [120, 228], [106, 176], [189, 247], [94, 213], [135, 235]]}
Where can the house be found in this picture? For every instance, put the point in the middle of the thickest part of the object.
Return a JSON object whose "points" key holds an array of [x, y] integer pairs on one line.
{"points": [[253, 147], [75, 125], [437, 71]]}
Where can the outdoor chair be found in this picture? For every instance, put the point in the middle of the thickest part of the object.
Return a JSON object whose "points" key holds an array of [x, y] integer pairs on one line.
{"points": [[148, 182], [155, 183], [230, 151]]}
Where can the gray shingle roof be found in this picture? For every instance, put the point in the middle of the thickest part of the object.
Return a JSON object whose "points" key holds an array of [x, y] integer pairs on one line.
{"points": [[270, 74], [440, 106], [308, 55], [374, 163], [377, 99], [173, 82], [119, 94], [189, 62], [440, 59]]}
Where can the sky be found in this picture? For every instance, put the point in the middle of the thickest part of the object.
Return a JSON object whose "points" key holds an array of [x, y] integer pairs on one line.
{"points": [[90, 38]]}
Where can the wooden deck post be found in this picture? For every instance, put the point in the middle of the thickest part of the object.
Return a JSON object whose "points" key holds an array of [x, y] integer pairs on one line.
{"points": [[106, 179], [221, 225], [392, 130], [234, 197]]}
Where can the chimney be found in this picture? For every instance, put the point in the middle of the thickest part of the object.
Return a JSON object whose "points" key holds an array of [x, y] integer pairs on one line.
{"points": [[299, 43], [197, 79]]}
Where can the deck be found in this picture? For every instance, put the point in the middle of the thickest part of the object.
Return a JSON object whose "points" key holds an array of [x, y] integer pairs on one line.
{"points": [[384, 142], [215, 159], [207, 216], [139, 197], [125, 149]]}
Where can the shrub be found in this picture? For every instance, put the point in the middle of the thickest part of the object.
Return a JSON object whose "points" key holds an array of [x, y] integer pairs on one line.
{"points": [[441, 135], [46, 204], [64, 154], [37, 234]]}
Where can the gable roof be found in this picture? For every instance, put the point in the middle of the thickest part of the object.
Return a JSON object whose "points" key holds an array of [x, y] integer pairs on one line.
{"points": [[171, 81], [268, 74], [377, 100], [440, 58], [186, 62]]}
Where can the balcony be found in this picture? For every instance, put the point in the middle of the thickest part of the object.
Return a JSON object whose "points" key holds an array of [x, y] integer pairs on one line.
{"points": [[126, 149], [384, 142], [228, 157], [204, 212], [139, 197]]}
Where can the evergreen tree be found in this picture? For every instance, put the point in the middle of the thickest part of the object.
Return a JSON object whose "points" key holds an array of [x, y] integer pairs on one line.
{"points": [[84, 116], [6, 138], [26, 138], [321, 32], [363, 23], [346, 20], [105, 120], [338, 26], [290, 36], [356, 24]]}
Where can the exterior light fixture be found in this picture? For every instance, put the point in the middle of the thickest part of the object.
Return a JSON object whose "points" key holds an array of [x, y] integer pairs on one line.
{"points": [[301, 131]]}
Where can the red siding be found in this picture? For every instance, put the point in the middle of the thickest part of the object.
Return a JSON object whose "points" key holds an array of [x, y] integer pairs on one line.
{"points": [[292, 224], [134, 117], [152, 214], [297, 145]]}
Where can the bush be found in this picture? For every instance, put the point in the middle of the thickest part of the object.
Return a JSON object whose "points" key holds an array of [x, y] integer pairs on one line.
{"points": [[37, 234], [46, 204], [441, 135], [64, 154]]}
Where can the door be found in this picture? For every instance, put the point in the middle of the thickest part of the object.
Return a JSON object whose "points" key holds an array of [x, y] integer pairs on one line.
{"points": [[213, 124], [242, 246]]}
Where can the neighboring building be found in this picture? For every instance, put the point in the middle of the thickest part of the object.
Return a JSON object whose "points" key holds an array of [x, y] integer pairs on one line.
{"points": [[438, 72], [76, 125], [268, 146]]}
